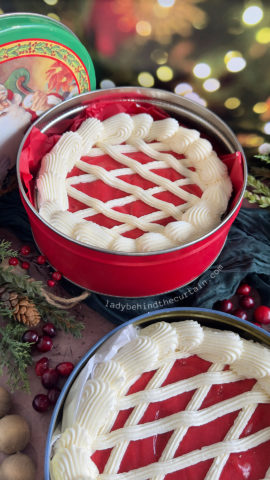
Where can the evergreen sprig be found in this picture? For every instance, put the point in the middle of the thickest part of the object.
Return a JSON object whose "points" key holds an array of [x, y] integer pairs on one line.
{"points": [[15, 355], [6, 251], [261, 200], [60, 318], [258, 186], [22, 283], [263, 158]]}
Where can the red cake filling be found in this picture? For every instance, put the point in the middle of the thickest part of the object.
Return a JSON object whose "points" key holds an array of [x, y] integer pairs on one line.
{"points": [[101, 191], [251, 464]]}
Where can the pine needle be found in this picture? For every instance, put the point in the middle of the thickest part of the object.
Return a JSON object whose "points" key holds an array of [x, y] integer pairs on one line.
{"points": [[258, 186], [15, 356], [6, 251], [263, 158], [261, 200]]}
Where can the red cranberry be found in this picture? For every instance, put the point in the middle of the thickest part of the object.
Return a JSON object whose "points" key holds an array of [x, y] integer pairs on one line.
{"points": [[30, 336], [226, 306], [64, 368], [262, 314], [53, 395], [25, 265], [49, 329], [240, 314], [41, 259], [243, 289], [25, 250], [44, 344], [41, 366], [51, 283], [56, 276], [49, 378], [41, 403], [247, 302], [13, 261]]}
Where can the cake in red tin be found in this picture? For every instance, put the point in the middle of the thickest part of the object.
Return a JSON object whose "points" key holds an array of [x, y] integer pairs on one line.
{"points": [[133, 184], [178, 401]]}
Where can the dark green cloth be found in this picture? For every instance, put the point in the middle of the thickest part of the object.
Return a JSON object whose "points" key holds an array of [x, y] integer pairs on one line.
{"points": [[246, 255]]}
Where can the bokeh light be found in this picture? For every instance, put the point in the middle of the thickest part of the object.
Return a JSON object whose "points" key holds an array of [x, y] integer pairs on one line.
{"points": [[165, 73], [159, 56], [143, 28], [266, 128], [252, 15], [211, 84], [234, 61], [51, 2], [183, 88], [146, 79], [106, 83], [260, 107], [166, 3], [54, 16], [263, 35], [202, 70], [232, 103], [196, 98]]}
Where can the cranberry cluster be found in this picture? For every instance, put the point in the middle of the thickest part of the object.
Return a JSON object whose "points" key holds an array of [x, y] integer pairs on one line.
{"points": [[25, 251], [50, 377], [245, 303]]}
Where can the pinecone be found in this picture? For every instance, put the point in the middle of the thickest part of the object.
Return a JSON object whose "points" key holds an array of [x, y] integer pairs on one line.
{"points": [[24, 311]]}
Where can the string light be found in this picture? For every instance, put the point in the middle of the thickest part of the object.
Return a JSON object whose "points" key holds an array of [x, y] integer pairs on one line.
{"points": [[145, 79], [252, 15], [260, 107], [165, 73], [266, 128], [183, 88], [107, 83], [232, 103], [211, 85], [263, 35], [202, 70], [143, 28]]}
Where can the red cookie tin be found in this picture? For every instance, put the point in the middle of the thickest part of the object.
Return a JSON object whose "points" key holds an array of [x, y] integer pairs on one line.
{"points": [[42, 63], [136, 274]]}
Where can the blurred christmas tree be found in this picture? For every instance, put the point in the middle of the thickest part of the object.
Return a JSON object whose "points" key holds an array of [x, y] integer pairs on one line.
{"points": [[216, 53]]}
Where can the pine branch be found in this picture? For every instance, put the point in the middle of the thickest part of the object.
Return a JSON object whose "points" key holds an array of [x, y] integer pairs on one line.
{"points": [[258, 186], [60, 318], [261, 200], [6, 251], [22, 283], [5, 311], [15, 355], [263, 158]]}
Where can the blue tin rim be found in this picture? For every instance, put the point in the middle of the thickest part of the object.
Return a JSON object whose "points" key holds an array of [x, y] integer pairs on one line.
{"points": [[236, 322]]}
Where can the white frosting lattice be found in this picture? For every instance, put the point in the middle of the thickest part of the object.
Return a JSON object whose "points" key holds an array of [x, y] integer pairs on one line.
{"points": [[156, 348], [118, 136]]}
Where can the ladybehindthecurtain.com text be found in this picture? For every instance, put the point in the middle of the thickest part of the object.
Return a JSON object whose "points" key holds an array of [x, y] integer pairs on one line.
{"points": [[163, 302]]}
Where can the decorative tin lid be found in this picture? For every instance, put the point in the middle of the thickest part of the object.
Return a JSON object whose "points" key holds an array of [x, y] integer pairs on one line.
{"points": [[42, 63]]}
